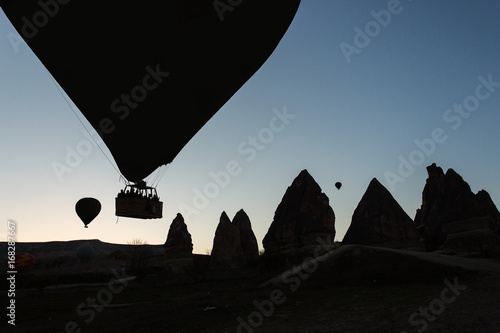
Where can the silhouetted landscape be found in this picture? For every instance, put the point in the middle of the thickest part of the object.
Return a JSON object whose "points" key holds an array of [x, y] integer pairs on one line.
{"points": [[201, 117], [436, 272]]}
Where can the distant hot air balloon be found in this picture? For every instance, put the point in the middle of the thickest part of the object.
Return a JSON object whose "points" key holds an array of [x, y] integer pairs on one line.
{"points": [[24, 261], [152, 73], [87, 209], [85, 253], [338, 185]]}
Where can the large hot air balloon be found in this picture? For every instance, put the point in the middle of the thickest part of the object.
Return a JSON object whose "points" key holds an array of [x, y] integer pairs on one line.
{"points": [[149, 75], [87, 209], [338, 185]]}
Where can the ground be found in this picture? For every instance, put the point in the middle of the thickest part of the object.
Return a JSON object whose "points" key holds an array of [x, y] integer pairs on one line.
{"points": [[358, 290]]}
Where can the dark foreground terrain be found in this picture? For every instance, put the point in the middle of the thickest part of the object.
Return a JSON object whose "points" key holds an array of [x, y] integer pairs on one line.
{"points": [[353, 289]]}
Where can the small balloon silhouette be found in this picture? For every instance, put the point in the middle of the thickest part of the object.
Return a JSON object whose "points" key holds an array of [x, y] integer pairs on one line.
{"points": [[87, 209], [338, 185]]}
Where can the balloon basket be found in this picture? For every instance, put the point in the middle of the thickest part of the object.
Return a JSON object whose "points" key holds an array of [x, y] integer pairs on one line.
{"points": [[139, 208]]}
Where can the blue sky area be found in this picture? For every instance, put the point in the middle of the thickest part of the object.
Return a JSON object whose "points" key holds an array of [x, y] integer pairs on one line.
{"points": [[350, 94]]}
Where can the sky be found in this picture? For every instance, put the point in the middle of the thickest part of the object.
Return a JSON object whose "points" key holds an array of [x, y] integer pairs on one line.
{"points": [[355, 90]]}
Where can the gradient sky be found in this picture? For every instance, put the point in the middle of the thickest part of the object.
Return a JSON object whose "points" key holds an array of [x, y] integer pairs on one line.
{"points": [[357, 105]]}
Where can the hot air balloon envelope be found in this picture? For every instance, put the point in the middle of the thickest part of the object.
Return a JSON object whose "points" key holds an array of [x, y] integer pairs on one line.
{"points": [[87, 209], [148, 75], [338, 185]]}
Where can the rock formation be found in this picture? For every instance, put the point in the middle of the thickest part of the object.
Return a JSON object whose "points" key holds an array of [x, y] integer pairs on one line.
{"points": [[379, 220], [302, 221], [247, 237], [179, 243], [227, 251], [235, 244], [178, 262], [452, 217]]}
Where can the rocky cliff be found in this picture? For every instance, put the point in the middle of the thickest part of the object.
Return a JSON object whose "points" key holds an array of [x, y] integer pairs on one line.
{"points": [[247, 237], [453, 218], [235, 244], [226, 248], [179, 242], [302, 221], [178, 264], [379, 220]]}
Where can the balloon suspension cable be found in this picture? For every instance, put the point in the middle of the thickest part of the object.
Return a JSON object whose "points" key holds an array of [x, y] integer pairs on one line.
{"points": [[82, 123], [123, 180], [160, 172]]}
